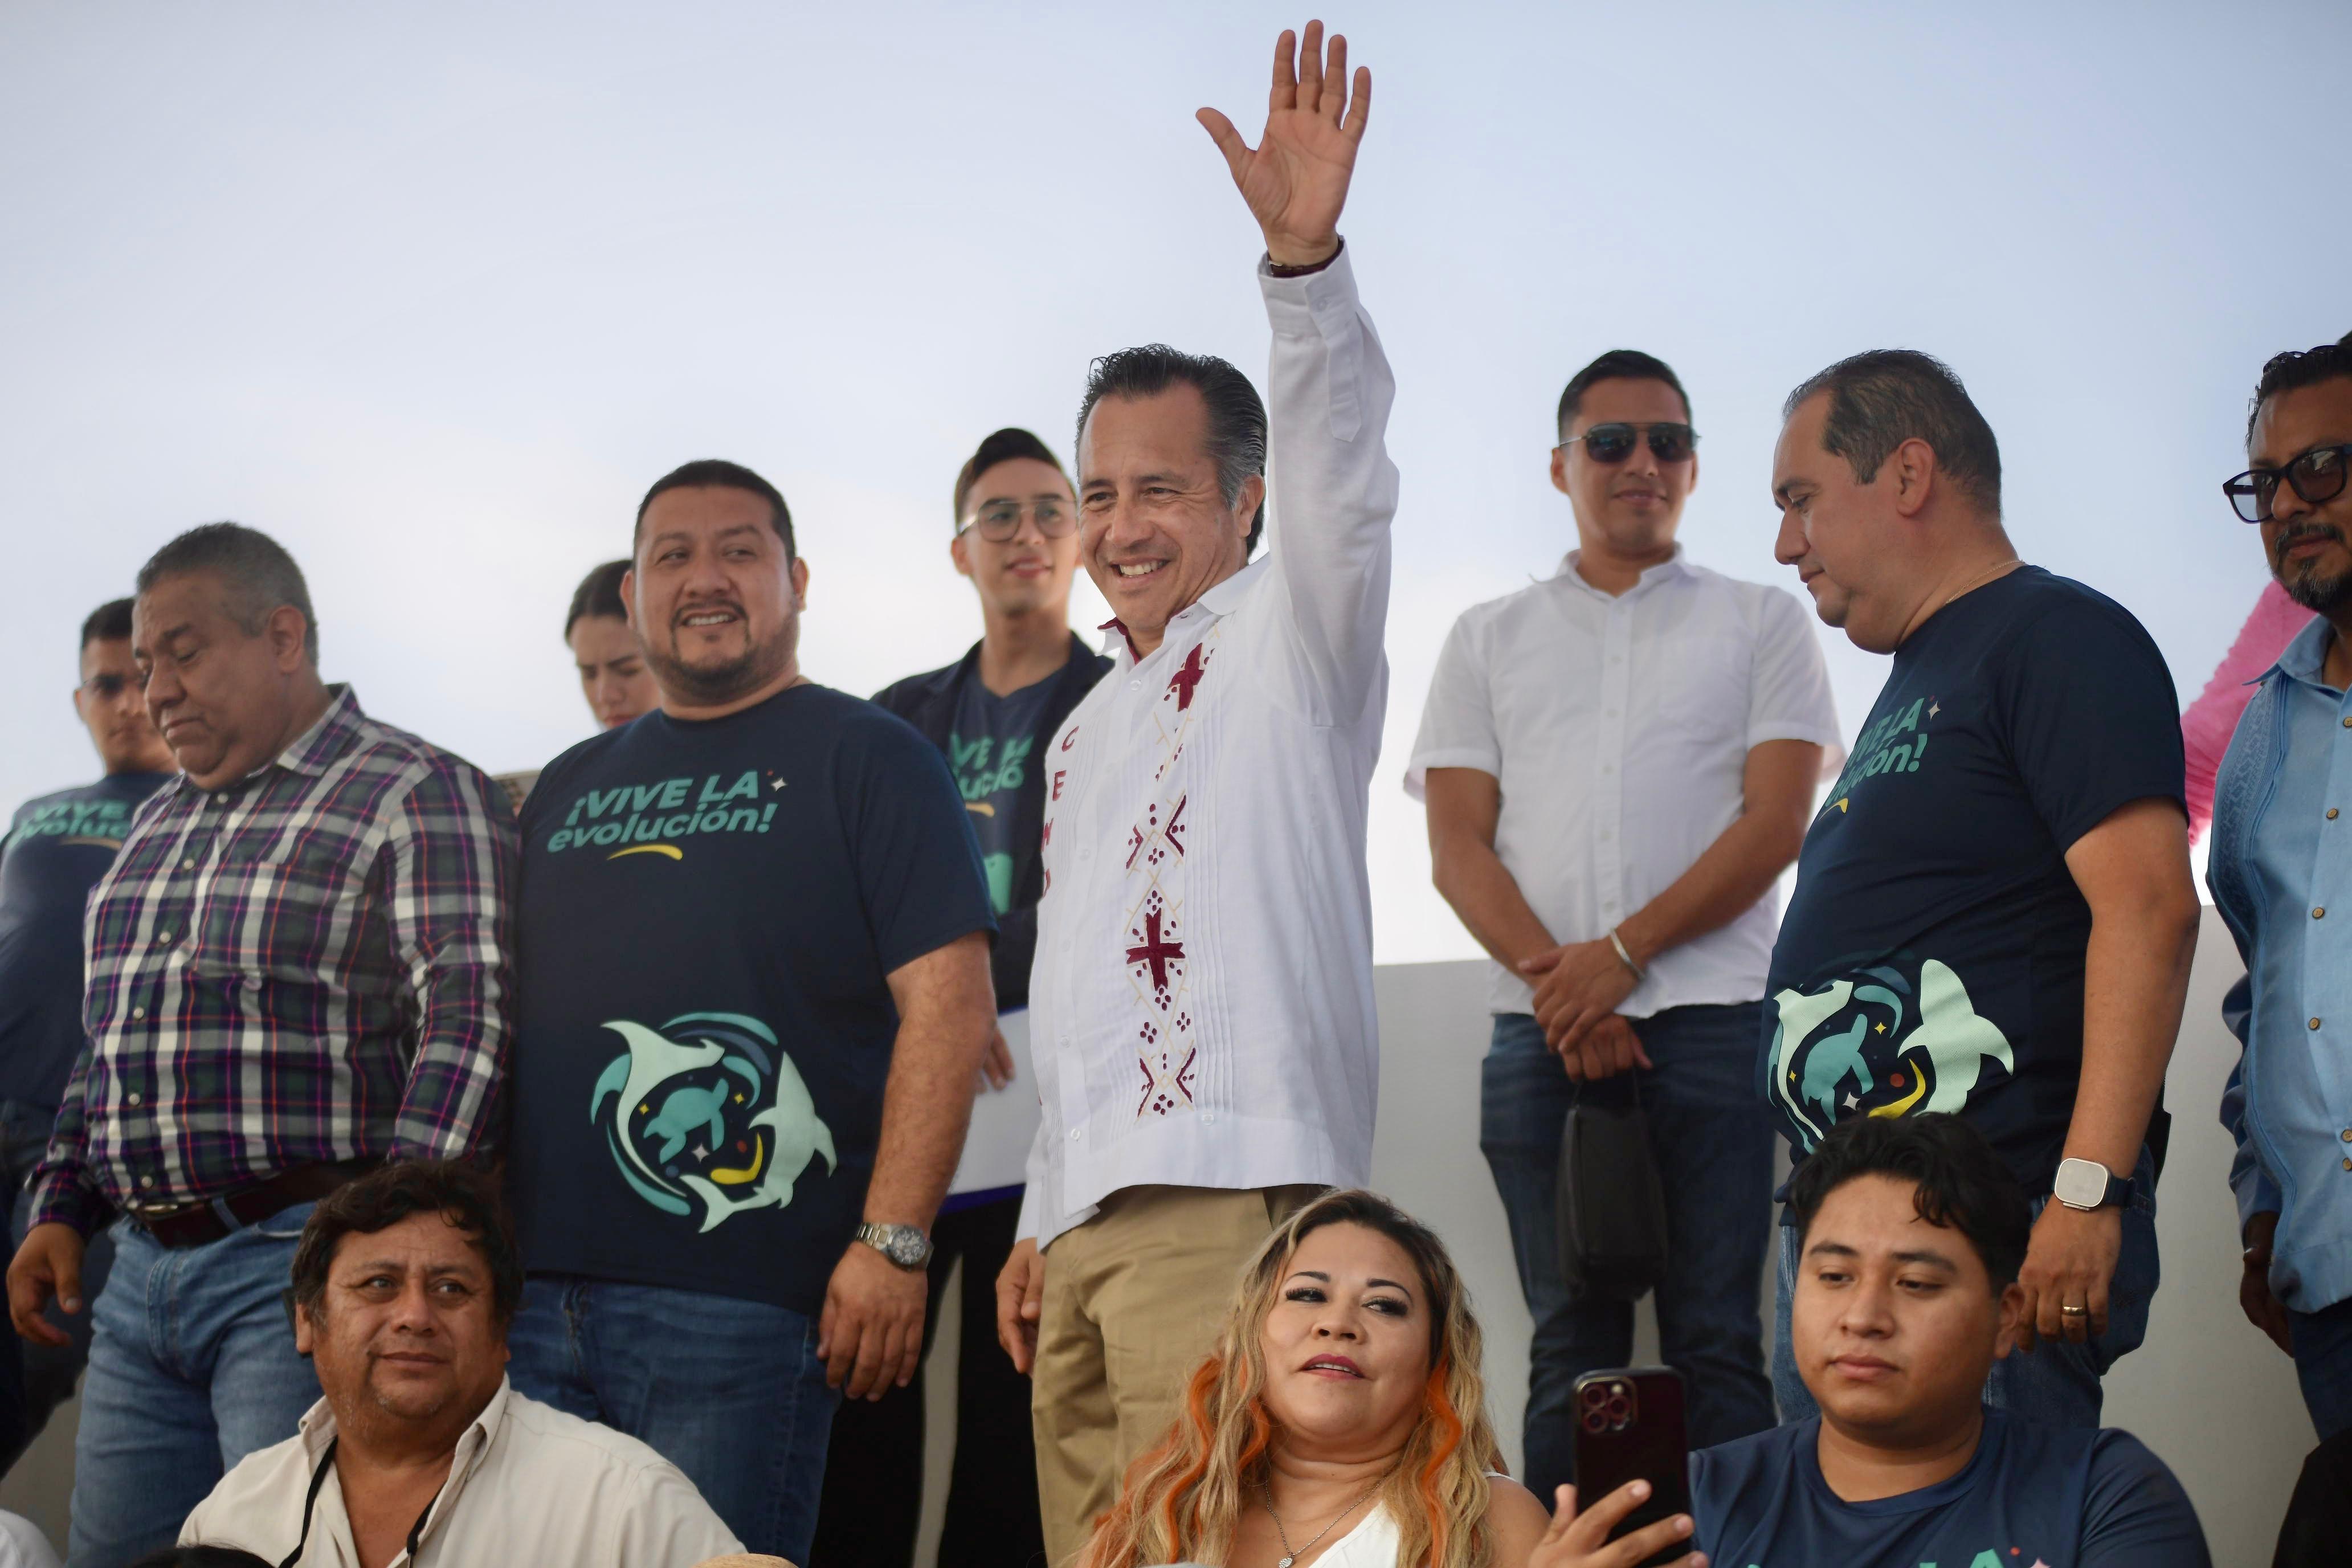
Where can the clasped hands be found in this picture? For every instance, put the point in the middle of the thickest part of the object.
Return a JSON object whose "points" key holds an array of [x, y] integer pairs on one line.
{"points": [[1580, 985]]}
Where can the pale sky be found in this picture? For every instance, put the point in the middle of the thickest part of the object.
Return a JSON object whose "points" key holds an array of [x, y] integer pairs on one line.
{"points": [[432, 292]]}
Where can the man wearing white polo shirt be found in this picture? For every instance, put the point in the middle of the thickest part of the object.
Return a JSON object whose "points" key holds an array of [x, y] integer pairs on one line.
{"points": [[1619, 762], [1201, 1009]]}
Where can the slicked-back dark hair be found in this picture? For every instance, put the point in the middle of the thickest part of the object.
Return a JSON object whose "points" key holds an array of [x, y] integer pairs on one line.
{"points": [[110, 622], [719, 472], [1880, 399], [260, 574], [2298, 368], [1617, 364], [1001, 447], [599, 594], [1956, 1181], [454, 1189], [1236, 415]]}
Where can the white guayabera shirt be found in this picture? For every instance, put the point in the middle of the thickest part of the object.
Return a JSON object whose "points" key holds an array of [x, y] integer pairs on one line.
{"points": [[1620, 727], [529, 1484], [1201, 1010]]}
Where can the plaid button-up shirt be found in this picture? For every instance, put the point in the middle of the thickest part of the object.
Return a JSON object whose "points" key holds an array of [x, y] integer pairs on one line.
{"points": [[312, 965]]}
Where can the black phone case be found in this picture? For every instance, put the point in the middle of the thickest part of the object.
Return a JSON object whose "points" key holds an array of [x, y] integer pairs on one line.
{"points": [[1629, 1427]]}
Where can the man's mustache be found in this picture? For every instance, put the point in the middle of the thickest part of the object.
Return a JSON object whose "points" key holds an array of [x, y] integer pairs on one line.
{"points": [[2309, 532]]}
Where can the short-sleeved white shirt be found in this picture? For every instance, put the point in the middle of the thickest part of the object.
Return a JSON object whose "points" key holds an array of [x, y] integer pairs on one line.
{"points": [[1620, 730]]}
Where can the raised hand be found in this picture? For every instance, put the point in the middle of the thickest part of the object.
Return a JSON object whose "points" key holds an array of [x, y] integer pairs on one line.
{"points": [[1295, 178]]}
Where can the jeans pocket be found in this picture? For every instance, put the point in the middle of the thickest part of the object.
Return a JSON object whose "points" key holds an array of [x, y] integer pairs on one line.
{"points": [[285, 1225]]}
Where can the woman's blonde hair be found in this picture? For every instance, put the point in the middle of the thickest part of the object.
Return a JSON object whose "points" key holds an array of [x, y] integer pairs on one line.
{"points": [[1181, 1498]]}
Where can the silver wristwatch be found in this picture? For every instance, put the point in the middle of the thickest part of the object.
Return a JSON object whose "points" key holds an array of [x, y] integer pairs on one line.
{"points": [[2087, 1184], [903, 1245]]}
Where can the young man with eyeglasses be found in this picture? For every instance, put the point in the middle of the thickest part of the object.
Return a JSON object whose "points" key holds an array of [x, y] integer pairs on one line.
{"points": [[1618, 763], [54, 852], [1993, 914], [993, 712], [2277, 859]]}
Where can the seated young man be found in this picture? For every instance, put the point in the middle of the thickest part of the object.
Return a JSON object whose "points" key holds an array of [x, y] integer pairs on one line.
{"points": [[1911, 1231]]}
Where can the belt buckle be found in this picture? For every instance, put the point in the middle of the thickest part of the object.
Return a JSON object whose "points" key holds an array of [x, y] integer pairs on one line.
{"points": [[148, 1214]]}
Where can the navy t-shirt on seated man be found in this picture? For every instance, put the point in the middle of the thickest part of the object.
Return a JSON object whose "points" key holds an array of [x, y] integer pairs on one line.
{"points": [[710, 913], [2031, 1497]]}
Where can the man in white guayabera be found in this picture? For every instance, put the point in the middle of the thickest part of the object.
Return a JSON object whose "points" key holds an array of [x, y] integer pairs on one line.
{"points": [[1201, 1005]]}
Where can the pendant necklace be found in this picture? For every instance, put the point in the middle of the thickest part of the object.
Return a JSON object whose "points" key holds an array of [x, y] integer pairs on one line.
{"points": [[1288, 1556]]}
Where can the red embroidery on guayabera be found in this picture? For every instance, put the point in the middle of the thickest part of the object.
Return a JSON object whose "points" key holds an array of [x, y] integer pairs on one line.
{"points": [[1176, 828], [1187, 677], [1070, 740], [1156, 951]]}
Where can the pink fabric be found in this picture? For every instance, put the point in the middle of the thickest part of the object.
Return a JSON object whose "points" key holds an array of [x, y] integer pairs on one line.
{"points": [[2207, 726]]}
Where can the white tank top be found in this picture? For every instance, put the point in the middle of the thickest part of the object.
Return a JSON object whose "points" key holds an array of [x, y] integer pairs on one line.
{"points": [[1371, 1545]]}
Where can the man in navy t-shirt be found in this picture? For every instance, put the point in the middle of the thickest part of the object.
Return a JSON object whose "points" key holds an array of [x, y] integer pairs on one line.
{"points": [[1993, 914], [54, 852], [754, 939], [1910, 1232]]}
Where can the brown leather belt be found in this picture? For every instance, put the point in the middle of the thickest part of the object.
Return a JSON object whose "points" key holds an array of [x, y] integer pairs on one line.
{"points": [[194, 1224]]}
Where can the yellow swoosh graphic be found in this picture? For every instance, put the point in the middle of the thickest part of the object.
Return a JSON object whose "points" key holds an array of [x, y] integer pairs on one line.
{"points": [[733, 1177], [672, 850], [981, 806], [1918, 1092], [102, 843]]}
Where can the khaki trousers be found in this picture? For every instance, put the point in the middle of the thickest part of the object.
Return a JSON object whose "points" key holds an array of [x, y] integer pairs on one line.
{"points": [[1134, 1299]]}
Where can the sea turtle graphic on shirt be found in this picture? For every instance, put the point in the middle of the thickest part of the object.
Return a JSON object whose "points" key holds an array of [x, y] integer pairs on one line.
{"points": [[1881, 1042], [706, 1115]]}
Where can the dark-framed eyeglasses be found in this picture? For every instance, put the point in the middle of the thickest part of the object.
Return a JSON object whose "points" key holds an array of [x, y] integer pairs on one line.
{"points": [[999, 520], [109, 685], [2316, 475], [1670, 441]]}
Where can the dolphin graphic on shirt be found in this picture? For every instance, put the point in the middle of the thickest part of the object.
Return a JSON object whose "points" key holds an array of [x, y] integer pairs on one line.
{"points": [[1879, 1044], [714, 1124]]}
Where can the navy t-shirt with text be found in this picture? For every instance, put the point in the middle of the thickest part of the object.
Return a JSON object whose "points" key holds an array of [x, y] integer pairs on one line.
{"points": [[710, 911], [1931, 955], [55, 851], [2030, 1497]]}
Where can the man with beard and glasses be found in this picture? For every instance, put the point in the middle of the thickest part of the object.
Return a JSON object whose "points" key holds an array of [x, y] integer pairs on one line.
{"points": [[756, 995], [1993, 913], [2279, 853]]}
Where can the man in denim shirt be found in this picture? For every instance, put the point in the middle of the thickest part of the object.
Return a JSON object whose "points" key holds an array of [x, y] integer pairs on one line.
{"points": [[2278, 854]]}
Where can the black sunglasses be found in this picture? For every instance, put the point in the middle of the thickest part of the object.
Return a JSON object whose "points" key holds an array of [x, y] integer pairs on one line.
{"points": [[2316, 475], [1613, 443]]}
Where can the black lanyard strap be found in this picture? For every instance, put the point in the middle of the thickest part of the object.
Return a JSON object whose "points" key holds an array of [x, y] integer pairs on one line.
{"points": [[310, 1504]]}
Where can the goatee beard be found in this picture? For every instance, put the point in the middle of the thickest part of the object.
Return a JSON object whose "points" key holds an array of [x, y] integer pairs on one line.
{"points": [[715, 685], [2321, 595]]}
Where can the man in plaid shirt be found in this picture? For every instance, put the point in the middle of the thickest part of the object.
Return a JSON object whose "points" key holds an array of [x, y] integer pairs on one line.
{"points": [[299, 967]]}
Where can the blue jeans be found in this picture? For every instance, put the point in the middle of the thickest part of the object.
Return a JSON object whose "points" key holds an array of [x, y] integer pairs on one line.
{"points": [[2057, 1383], [1715, 1156], [36, 1379], [192, 1367], [2323, 1365], [729, 1390]]}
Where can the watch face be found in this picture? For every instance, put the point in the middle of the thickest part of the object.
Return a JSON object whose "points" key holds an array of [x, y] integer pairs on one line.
{"points": [[2081, 1184]]}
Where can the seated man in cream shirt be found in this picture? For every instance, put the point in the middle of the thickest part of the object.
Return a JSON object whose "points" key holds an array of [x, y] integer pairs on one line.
{"points": [[421, 1455]]}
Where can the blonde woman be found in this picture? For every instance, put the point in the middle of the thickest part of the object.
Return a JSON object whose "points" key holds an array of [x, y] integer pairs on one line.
{"points": [[1340, 1422]]}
